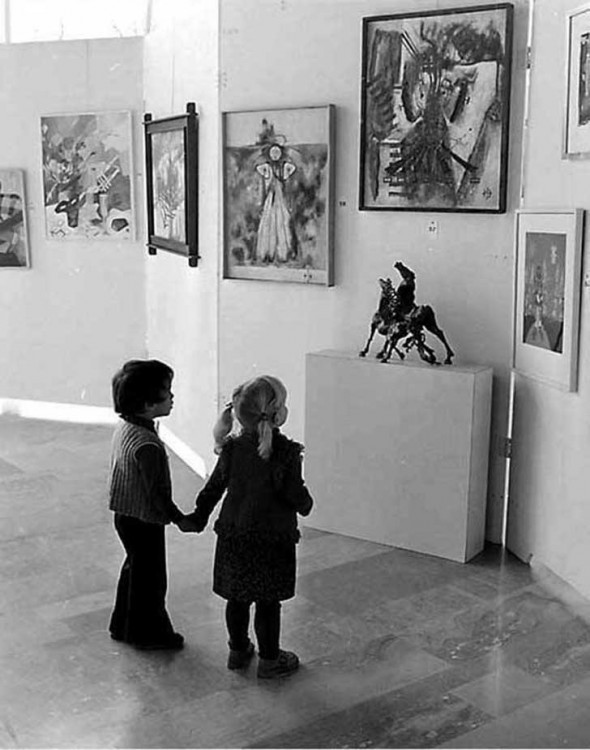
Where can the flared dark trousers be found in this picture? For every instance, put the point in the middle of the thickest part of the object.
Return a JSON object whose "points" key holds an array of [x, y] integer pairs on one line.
{"points": [[140, 614], [267, 626]]}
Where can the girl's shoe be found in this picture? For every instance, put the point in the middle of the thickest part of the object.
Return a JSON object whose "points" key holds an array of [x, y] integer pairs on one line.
{"points": [[286, 664], [240, 659]]}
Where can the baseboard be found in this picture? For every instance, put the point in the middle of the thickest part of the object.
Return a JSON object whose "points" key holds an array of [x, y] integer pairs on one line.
{"points": [[82, 414], [558, 586], [182, 450], [55, 412]]}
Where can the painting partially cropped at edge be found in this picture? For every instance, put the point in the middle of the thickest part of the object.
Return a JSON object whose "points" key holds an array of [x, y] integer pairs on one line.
{"points": [[14, 242]]}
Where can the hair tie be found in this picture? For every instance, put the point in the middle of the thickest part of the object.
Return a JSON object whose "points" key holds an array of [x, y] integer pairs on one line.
{"points": [[264, 417], [229, 406]]}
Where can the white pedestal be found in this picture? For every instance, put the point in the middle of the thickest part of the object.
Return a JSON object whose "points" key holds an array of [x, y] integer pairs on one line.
{"points": [[397, 453]]}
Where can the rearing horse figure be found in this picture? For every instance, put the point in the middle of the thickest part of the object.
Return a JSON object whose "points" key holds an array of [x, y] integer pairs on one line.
{"points": [[382, 320], [399, 319], [411, 320]]}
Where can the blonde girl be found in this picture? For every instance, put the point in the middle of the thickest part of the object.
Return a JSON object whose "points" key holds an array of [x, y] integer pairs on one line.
{"points": [[259, 475]]}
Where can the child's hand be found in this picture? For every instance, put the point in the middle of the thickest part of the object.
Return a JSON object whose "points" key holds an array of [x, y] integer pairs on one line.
{"points": [[189, 524]]}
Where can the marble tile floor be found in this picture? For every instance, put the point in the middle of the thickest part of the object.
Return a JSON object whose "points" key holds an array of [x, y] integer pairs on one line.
{"points": [[398, 649]]}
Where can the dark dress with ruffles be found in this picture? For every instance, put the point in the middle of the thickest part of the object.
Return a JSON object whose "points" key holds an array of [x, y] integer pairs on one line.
{"points": [[257, 526]]}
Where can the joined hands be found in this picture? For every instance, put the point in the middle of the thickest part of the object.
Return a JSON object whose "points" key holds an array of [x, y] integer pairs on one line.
{"points": [[189, 524]]}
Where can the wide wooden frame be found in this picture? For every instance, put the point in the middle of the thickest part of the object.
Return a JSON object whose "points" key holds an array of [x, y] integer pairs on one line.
{"points": [[576, 126], [278, 177], [176, 174], [546, 312], [435, 109]]}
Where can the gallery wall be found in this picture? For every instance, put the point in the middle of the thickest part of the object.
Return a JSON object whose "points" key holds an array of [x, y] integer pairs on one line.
{"points": [[549, 514], [296, 54], [181, 308], [69, 320]]}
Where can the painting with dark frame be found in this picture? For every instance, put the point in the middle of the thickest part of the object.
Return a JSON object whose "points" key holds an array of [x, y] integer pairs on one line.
{"points": [[171, 152], [435, 100]]}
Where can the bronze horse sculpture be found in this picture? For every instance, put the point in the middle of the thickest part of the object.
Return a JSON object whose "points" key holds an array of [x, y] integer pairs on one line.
{"points": [[401, 321]]}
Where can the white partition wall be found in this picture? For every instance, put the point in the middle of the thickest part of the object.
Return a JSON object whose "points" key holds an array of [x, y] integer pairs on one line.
{"points": [[397, 453]]}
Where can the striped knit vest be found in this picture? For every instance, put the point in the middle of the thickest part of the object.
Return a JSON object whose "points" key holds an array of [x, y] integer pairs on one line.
{"points": [[127, 490]]}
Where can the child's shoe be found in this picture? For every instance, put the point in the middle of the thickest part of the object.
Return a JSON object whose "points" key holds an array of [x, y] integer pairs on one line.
{"points": [[286, 663], [240, 659]]}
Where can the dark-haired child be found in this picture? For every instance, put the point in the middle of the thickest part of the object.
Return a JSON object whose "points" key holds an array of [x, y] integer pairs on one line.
{"points": [[140, 492], [260, 473]]}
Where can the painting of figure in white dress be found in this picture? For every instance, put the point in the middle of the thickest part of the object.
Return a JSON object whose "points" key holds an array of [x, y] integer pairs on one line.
{"points": [[277, 195]]}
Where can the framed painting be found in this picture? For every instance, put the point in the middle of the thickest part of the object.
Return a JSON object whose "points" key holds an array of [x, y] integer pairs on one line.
{"points": [[88, 176], [547, 295], [14, 241], [277, 188], [576, 129], [171, 155], [435, 101]]}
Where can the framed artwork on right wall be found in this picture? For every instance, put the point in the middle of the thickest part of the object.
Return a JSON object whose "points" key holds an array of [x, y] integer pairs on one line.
{"points": [[576, 128], [547, 295]]}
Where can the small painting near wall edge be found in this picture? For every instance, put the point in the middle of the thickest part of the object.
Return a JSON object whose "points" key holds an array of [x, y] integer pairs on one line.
{"points": [[14, 240], [277, 188], [546, 315], [576, 127]]}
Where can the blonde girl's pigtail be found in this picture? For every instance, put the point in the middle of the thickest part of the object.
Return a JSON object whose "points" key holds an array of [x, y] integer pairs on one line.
{"points": [[264, 437], [223, 427]]}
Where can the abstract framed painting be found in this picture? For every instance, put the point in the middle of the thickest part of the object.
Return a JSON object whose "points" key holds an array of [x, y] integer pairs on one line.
{"points": [[548, 263], [14, 240], [171, 154], [435, 106], [88, 176], [576, 128], [277, 188]]}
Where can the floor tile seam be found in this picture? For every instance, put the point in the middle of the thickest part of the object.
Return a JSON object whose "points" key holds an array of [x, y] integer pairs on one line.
{"points": [[366, 706], [53, 533], [552, 689], [351, 563], [521, 715]]}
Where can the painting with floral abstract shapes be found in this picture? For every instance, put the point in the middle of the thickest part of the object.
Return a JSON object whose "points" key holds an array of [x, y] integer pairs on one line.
{"points": [[278, 195], [87, 176], [14, 243], [168, 181], [435, 110]]}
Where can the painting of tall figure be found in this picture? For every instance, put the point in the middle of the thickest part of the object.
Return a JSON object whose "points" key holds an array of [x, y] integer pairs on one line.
{"points": [[278, 195], [435, 110], [87, 176]]}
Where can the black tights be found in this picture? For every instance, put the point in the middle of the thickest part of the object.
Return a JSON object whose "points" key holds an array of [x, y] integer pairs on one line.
{"points": [[267, 625]]}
